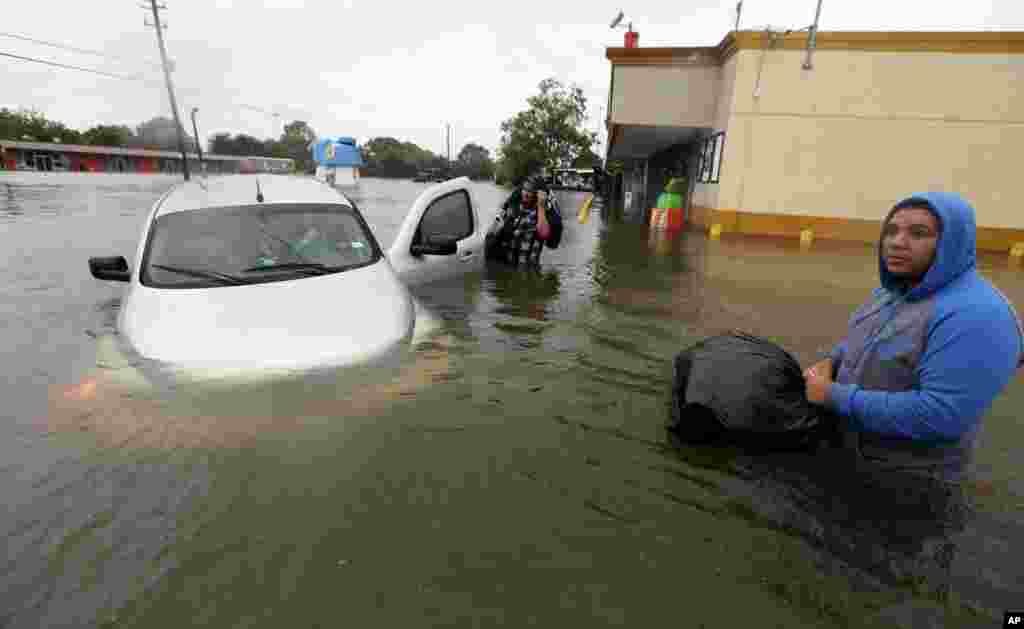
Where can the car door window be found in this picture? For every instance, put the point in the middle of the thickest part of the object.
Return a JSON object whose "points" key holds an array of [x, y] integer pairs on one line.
{"points": [[447, 218]]}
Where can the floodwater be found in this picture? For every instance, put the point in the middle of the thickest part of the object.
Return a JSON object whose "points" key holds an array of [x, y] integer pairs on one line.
{"points": [[515, 471]]}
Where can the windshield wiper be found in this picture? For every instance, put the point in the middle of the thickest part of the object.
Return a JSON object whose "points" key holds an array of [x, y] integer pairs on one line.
{"points": [[223, 278], [314, 267]]}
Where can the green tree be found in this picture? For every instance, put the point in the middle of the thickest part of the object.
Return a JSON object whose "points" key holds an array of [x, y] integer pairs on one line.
{"points": [[548, 134], [475, 161], [31, 125], [220, 144], [390, 157], [296, 142], [108, 135], [160, 134], [241, 145], [274, 148], [587, 159]]}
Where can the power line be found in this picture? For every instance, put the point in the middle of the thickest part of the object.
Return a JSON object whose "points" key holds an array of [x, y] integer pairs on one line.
{"points": [[107, 56], [80, 69], [141, 79], [125, 77], [85, 51]]}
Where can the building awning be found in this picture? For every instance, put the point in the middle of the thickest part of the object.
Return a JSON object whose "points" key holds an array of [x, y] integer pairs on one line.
{"points": [[641, 141], [659, 98]]}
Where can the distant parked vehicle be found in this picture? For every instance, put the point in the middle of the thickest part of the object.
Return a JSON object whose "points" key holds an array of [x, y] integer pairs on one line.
{"points": [[579, 179], [431, 174]]}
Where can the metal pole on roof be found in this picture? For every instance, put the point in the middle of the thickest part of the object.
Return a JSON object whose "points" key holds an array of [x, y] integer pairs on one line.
{"points": [[812, 38], [170, 85]]}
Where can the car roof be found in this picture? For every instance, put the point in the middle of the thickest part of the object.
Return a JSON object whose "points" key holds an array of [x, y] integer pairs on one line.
{"points": [[236, 190]]}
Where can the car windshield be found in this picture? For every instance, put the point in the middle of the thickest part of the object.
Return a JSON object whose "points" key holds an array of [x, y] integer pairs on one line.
{"points": [[254, 244]]}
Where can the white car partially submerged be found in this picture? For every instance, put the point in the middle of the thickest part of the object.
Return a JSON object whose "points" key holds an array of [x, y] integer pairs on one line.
{"points": [[252, 272]]}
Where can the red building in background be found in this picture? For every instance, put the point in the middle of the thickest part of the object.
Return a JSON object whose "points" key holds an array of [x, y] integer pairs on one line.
{"points": [[50, 157]]}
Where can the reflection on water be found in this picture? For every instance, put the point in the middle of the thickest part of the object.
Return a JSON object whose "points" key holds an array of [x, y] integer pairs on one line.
{"points": [[123, 411], [512, 468], [10, 205], [523, 292]]}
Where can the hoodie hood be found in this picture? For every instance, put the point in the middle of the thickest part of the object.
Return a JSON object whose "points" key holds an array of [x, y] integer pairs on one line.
{"points": [[955, 252]]}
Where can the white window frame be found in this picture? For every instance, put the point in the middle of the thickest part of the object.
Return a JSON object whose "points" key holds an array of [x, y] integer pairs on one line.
{"points": [[709, 165]]}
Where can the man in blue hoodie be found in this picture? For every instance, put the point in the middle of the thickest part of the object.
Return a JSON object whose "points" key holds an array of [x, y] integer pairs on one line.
{"points": [[926, 356]]}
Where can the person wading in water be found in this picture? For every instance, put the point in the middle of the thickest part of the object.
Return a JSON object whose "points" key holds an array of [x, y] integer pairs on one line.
{"points": [[528, 220]]}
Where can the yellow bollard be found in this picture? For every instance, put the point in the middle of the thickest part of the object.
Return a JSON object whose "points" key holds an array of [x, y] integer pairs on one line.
{"points": [[716, 231], [663, 246], [584, 214], [806, 238], [1017, 252], [660, 242]]}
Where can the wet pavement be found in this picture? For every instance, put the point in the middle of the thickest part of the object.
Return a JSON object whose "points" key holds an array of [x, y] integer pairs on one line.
{"points": [[514, 470]]}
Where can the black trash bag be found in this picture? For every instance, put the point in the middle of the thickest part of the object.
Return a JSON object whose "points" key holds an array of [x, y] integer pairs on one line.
{"points": [[743, 390]]}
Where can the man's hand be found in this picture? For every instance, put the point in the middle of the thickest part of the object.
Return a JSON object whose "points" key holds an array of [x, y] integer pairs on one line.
{"points": [[818, 380]]}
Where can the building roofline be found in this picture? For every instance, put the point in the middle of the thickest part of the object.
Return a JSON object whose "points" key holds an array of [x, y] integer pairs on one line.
{"points": [[960, 42], [117, 150], [681, 55]]}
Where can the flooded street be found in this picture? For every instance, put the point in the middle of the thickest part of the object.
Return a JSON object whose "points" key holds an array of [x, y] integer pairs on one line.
{"points": [[513, 471]]}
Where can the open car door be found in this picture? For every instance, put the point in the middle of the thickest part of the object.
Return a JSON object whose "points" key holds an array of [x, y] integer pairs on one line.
{"points": [[441, 237]]}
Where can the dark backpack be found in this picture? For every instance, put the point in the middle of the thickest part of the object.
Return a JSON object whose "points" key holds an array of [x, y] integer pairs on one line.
{"points": [[554, 217], [501, 228]]}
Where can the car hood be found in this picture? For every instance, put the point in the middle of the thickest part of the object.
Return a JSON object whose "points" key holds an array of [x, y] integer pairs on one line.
{"points": [[313, 321]]}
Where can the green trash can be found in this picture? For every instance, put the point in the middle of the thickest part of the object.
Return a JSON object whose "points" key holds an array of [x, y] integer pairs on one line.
{"points": [[668, 200]]}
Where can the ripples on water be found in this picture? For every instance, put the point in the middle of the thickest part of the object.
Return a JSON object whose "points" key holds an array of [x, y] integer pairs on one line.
{"points": [[513, 468]]}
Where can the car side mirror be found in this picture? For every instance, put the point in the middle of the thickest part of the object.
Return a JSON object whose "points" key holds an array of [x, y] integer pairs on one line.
{"points": [[437, 247], [110, 268]]}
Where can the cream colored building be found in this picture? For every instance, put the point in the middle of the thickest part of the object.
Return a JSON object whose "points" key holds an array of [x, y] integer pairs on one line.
{"points": [[876, 116]]}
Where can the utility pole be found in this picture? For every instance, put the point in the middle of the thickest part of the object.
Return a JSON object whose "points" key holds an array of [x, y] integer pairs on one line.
{"points": [[448, 142], [199, 146], [167, 76]]}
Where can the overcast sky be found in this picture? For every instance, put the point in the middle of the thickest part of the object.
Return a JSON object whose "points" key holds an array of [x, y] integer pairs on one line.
{"points": [[369, 68]]}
